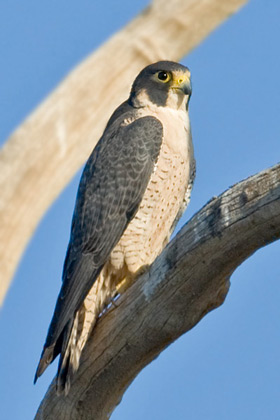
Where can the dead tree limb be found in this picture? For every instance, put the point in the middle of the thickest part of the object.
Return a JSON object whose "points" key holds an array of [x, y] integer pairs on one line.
{"points": [[189, 279], [44, 153]]}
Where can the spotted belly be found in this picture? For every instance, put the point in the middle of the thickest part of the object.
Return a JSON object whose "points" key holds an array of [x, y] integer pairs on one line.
{"points": [[150, 229], [166, 197]]}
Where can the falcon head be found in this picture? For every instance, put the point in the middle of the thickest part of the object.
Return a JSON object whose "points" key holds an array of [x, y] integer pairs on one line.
{"points": [[164, 83]]}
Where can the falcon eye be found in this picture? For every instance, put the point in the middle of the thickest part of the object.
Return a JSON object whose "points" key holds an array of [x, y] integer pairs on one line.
{"points": [[163, 76]]}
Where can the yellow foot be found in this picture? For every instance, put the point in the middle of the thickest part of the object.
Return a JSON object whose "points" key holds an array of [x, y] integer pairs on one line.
{"points": [[125, 283]]}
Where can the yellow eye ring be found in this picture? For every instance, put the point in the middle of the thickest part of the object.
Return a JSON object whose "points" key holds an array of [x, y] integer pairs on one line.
{"points": [[163, 76]]}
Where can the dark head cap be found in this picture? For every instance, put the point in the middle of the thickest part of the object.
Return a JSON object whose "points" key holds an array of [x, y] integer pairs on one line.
{"points": [[160, 79]]}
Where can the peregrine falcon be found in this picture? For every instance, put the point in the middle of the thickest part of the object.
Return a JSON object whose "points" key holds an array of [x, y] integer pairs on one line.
{"points": [[133, 190]]}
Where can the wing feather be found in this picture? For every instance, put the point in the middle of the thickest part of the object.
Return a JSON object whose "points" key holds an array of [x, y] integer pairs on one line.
{"points": [[111, 189]]}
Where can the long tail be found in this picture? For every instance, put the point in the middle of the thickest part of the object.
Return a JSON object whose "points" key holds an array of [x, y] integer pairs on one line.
{"points": [[75, 335]]}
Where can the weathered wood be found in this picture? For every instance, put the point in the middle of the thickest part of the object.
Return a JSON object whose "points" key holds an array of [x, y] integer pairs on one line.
{"points": [[44, 153], [190, 278]]}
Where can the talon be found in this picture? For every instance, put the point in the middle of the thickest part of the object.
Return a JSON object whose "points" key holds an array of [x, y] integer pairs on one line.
{"points": [[124, 284]]}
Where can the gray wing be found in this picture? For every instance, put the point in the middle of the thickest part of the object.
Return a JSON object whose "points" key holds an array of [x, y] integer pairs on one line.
{"points": [[110, 191]]}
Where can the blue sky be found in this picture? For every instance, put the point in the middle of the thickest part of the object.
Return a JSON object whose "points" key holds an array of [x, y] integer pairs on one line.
{"points": [[228, 366]]}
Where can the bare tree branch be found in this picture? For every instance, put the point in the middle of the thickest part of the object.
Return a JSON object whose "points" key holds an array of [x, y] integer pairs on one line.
{"points": [[189, 279], [44, 153]]}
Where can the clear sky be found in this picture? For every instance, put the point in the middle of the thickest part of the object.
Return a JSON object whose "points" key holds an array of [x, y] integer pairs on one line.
{"points": [[228, 366]]}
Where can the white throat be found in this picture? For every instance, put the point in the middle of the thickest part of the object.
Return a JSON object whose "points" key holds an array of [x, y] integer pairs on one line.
{"points": [[174, 118]]}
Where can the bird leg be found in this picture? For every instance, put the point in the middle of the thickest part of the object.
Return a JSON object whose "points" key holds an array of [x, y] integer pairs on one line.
{"points": [[127, 281]]}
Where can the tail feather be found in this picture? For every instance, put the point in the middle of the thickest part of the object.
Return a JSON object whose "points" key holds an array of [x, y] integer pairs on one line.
{"points": [[72, 347], [65, 367], [85, 320], [75, 334], [49, 353], [45, 360]]}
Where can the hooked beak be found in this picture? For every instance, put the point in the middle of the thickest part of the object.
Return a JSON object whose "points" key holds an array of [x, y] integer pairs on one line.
{"points": [[187, 88], [183, 83]]}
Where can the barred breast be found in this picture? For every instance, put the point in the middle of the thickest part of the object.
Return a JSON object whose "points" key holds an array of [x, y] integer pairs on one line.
{"points": [[150, 229], [165, 199]]}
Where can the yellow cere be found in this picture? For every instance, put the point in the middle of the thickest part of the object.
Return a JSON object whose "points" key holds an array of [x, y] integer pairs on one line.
{"points": [[179, 77]]}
